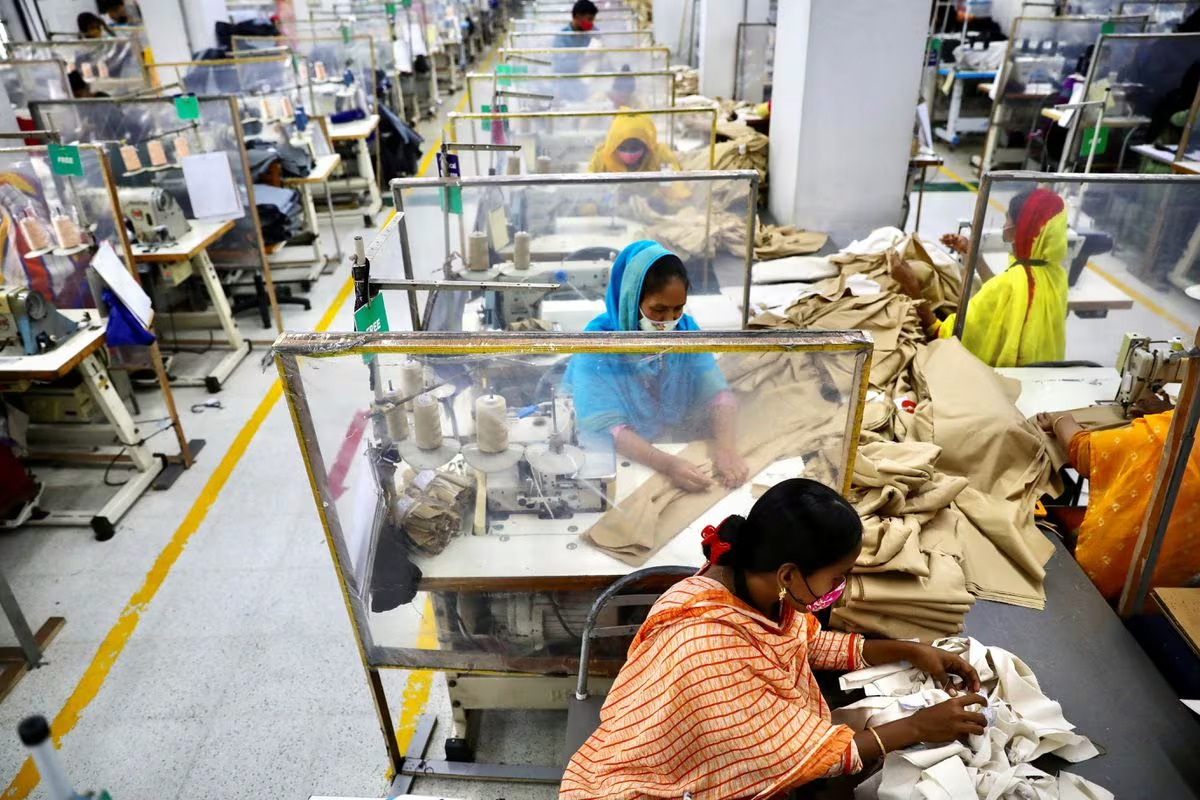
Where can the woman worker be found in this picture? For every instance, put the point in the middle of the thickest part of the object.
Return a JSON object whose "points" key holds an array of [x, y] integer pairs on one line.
{"points": [[632, 146], [1018, 317], [635, 399], [717, 698], [1120, 465]]}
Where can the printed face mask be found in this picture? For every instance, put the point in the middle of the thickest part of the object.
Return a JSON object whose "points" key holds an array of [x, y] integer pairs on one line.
{"points": [[826, 600], [652, 325]]}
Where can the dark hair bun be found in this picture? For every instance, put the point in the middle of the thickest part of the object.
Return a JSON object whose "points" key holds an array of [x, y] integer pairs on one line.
{"points": [[730, 532]]}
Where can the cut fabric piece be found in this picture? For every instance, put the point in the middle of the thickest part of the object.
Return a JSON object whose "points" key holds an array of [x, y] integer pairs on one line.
{"points": [[1024, 725]]}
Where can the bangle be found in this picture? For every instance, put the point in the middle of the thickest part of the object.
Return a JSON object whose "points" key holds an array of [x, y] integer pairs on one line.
{"points": [[882, 750]]}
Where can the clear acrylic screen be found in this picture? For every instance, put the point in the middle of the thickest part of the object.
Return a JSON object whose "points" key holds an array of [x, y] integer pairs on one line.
{"points": [[591, 59], [541, 39], [27, 81], [113, 66], [756, 62], [1164, 15], [564, 92]]}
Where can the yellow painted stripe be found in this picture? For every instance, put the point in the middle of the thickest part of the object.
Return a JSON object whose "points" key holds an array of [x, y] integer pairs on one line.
{"points": [[27, 778], [1133, 294]]}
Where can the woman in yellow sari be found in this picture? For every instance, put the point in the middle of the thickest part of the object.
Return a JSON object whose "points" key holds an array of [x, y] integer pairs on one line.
{"points": [[1018, 317], [717, 699], [1120, 465]]}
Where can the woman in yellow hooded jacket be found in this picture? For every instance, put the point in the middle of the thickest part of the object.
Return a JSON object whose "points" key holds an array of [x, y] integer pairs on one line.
{"points": [[632, 146], [1019, 317]]}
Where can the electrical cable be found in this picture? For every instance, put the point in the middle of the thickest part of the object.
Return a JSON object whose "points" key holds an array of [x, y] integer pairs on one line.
{"points": [[138, 443]]}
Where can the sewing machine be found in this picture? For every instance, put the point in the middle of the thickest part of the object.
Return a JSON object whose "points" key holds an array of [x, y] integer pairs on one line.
{"points": [[582, 282], [31, 319], [1146, 366], [154, 216]]}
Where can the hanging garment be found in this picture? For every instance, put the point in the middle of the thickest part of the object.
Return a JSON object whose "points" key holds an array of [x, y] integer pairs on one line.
{"points": [[717, 701]]}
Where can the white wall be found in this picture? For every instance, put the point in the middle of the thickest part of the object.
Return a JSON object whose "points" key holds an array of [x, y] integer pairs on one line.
{"points": [[174, 36], [59, 15], [668, 22], [843, 107], [718, 41]]}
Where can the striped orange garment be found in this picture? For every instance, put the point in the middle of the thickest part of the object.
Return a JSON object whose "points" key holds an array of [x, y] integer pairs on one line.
{"points": [[718, 701]]}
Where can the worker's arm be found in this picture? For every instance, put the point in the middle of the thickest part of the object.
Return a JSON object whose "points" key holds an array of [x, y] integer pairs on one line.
{"points": [[681, 473], [1065, 428], [730, 467]]}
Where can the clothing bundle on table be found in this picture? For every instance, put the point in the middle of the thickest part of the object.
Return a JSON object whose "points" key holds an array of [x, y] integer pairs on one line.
{"points": [[280, 213], [1023, 725]]}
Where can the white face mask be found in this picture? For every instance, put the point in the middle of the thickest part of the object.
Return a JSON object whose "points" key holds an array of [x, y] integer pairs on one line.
{"points": [[651, 326]]}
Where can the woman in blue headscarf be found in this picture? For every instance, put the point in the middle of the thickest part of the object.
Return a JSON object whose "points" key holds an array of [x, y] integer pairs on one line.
{"points": [[637, 399]]}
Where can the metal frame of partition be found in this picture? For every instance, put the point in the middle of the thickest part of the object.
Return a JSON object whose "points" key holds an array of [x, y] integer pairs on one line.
{"points": [[291, 348], [1191, 126], [514, 79], [518, 40], [43, 62], [508, 55], [1003, 75], [284, 43], [412, 286], [568, 115], [283, 59], [135, 45], [1071, 148]]}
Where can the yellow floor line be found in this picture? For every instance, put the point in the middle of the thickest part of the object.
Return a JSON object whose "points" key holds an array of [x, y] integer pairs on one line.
{"points": [[110, 649], [1133, 294]]}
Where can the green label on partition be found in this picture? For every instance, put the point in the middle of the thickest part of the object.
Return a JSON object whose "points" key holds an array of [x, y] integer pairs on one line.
{"points": [[1108, 27], [1101, 142], [503, 70], [345, 34], [500, 109], [371, 318], [187, 106], [449, 197], [389, 9], [406, 3], [65, 160]]}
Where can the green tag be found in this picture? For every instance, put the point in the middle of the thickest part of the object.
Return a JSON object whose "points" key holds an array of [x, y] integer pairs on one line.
{"points": [[345, 34], [187, 106], [65, 160], [371, 318], [1108, 27], [500, 109], [406, 3], [389, 9], [503, 69], [104, 795], [1101, 142], [449, 197]]}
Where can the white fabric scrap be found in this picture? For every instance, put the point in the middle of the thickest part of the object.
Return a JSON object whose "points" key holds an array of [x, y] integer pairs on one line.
{"points": [[1023, 725]]}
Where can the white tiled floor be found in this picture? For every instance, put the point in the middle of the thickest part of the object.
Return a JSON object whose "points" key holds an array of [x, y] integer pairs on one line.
{"points": [[241, 678]]}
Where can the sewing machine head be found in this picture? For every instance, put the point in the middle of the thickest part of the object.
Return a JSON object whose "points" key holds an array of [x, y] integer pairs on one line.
{"points": [[153, 214], [31, 320], [1146, 366]]}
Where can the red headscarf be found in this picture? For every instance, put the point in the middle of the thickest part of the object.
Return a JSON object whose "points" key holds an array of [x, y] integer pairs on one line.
{"points": [[1040, 207]]}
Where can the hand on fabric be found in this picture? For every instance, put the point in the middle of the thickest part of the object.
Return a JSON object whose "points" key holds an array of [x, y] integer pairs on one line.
{"points": [[1150, 404], [686, 476], [941, 665], [1046, 421], [903, 275], [730, 467], [956, 242], [948, 721]]}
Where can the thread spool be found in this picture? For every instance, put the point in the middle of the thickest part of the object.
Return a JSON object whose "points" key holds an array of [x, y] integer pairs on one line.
{"points": [[412, 379], [182, 148], [65, 231], [395, 416], [545, 165], [513, 165], [130, 157], [478, 259], [319, 71], [521, 248], [491, 423], [158, 154], [35, 232], [427, 422], [264, 107], [86, 71], [102, 70], [285, 106], [303, 70]]}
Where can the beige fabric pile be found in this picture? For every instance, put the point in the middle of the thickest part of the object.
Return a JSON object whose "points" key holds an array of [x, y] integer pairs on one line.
{"points": [[948, 470], [687, 80]]}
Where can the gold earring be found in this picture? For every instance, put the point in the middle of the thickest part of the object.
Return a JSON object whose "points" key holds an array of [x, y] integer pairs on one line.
{"points": [[782, 592]]}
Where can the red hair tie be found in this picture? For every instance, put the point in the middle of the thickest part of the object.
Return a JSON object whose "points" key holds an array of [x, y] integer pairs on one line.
{"points": [[716, 547]]}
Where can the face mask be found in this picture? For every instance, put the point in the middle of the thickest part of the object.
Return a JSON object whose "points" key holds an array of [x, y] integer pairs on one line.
{"points": [[826, 600], [651, 325], [586, 25], [628, 158]]}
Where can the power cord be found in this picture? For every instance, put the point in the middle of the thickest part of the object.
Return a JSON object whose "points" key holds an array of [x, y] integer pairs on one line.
{"points": [[138, 443]]}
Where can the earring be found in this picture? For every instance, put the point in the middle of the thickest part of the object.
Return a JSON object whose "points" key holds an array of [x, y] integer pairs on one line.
{"points": [[782, 592]]}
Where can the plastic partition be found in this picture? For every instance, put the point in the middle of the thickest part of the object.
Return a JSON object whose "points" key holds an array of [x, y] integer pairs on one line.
{"points": [[575, 92], [1164, 15], [755, 65], [27, 81], [540, 40], [462, 533], [575, 141], [322, 64], [232, 76], [1042, 53], [553, 23], [592, 59], [1120, 228], [1142, 77], [575, 224], [113, 66], [137, 123]]}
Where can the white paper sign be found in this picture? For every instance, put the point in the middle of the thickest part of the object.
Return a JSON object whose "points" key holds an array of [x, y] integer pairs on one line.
{"points": [[210, 187], [110, 267]]}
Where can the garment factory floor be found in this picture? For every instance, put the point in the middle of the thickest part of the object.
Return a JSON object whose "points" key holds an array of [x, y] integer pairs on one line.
{"points": [[207, 652]]}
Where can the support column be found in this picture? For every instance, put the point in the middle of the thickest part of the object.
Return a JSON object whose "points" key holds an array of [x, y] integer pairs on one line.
{"points": [[843, 109], [670, 29], [179, 28], [718, 40]]}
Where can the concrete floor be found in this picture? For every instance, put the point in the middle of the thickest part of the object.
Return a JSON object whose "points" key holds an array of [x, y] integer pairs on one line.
{"points": [[207, 651]]}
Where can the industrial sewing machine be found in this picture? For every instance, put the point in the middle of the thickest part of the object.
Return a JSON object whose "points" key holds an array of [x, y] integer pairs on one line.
{"points": [[32, 320], [154, 216], [571, 307], [1146, 366]]}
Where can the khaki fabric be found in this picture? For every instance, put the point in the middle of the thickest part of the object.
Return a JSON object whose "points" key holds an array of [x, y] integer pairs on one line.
{"points": [[781, 413]]}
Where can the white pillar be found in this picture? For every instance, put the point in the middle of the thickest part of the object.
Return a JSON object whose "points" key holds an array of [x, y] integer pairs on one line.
{"points": [[669, 28], [718, 41], [178, 28], [842, 112]]}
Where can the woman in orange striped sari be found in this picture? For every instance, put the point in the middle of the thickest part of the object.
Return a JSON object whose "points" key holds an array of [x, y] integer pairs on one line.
{"points": [[718, 700]]}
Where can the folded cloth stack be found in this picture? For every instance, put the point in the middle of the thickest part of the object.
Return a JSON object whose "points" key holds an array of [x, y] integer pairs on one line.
{"points": [[1023, 725]]}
